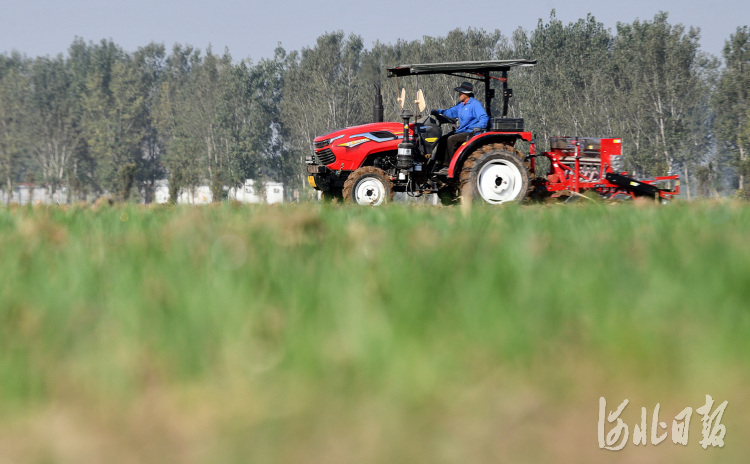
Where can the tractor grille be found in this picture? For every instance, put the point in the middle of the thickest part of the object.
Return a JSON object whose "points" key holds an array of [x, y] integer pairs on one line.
{"points": [[325, 157]]}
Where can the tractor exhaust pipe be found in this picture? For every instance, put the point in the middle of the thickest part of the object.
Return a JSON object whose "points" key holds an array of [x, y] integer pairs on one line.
{"points": [[405, 157], [377, 110]]}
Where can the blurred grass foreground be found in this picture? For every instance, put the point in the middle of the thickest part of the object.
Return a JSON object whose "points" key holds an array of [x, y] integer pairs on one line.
{"points": [[325, 334]]}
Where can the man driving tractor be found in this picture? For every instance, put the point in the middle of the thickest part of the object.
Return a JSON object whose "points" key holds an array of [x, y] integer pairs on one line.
{"points": [[471, 119]]}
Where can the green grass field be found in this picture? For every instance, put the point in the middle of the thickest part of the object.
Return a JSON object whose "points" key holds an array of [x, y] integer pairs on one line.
{"points": [[331, 334]]}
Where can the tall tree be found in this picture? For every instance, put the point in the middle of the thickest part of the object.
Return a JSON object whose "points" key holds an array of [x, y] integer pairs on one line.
{"points": [[114, 105], [273, 136], [171, 116], [150, 65], [731, 103], [190, 116], [660, 91], [13, 87], [53, 132]]}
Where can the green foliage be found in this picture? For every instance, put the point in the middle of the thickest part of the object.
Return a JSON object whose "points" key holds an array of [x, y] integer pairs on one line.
{"points": [[12, 106], [247, 328], [114, 113], [665, 109], [51, 125], [150, 63], [731, 102], [124, 181]]}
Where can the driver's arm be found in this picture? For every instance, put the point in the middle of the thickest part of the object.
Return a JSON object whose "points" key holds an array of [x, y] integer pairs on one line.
{"points": [[450, 112]]}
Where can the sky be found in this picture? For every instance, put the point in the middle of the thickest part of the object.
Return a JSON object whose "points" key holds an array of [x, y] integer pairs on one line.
{"points": [[253, 29]]}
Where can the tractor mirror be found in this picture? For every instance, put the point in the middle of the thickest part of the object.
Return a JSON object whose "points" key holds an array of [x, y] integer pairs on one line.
{"points": [[420, 101], [402, 99]]}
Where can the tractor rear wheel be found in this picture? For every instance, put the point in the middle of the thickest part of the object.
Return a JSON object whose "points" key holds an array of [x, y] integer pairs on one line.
{"points": [[494, 174], [369, 186]]}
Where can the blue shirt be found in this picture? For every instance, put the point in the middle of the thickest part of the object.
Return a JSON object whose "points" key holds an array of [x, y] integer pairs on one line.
{"points": [[470, 115]]}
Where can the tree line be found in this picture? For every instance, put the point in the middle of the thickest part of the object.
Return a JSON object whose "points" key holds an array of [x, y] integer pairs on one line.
{"points": [[103, 120]]}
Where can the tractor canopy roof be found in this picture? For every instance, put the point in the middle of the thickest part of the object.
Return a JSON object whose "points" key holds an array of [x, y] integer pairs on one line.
{"points": [[481, 67], [476, 70]]}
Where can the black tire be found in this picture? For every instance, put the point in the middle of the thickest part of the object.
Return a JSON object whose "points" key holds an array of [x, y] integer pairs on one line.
{"points": [[368, 186], [494, 174]]}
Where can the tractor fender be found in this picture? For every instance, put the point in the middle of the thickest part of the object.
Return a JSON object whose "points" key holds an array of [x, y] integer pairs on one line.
{"points": [[465, 150]]}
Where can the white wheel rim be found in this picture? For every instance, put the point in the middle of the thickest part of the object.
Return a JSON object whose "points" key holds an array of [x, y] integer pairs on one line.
{"points": [[370, 191], [499, 181]]}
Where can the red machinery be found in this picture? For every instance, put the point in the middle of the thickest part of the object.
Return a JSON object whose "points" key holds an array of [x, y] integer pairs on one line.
{"points": [[579, 163]]}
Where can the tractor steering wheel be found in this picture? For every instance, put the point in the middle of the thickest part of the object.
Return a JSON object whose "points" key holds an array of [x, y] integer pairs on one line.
{"points": [[443, 119]]}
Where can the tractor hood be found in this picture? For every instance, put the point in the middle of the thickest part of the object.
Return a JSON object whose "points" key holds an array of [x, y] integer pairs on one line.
{"points": [[346, 149], [377, 131]]}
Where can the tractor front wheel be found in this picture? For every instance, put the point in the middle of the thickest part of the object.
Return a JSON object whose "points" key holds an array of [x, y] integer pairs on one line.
{"points": [[368, 186], [494, 174]]}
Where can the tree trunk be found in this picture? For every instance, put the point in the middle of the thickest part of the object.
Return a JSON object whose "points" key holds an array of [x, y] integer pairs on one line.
{"points": [[148, 192], [743, 155], [10, 190]]}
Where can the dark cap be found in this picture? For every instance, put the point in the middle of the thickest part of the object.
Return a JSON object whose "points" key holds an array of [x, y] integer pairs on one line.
{"points": [[465, 87]]}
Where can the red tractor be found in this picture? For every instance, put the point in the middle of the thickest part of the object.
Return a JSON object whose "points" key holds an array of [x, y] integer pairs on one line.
{"points": [[366, 164]]}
